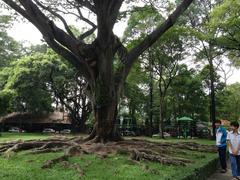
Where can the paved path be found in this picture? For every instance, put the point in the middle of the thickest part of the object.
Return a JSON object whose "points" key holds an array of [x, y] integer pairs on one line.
{"points": [[222, 176]]}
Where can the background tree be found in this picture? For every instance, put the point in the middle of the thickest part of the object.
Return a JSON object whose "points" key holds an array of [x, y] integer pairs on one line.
{"points": [[142, 21], [229, 102], [9, 48], [159, 61], [42, 79], [135, 96], [9, 51], [187, 89], [168, 53], [226, 19], [204, 46]]}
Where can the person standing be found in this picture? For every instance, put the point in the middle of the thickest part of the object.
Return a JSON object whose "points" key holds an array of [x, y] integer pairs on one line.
{"points": [[221, 142], [233, 139]]}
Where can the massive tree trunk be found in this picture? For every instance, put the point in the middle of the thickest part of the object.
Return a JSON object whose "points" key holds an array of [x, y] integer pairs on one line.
{"points": [[105, 123], [105, 113], [95, 61], [105, 96]]}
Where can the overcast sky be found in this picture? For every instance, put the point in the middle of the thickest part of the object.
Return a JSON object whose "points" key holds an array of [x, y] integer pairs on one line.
{"points": [[28, 33]]}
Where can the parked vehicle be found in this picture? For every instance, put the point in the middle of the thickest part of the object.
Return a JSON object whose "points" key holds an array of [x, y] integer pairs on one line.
{"points": [[16, 129], [48, 130], [128, 133], [65, 131], [165, 134]]}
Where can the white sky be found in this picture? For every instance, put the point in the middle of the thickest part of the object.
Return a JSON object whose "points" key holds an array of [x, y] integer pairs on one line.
{"points": [[27, 33], [235, 77]]}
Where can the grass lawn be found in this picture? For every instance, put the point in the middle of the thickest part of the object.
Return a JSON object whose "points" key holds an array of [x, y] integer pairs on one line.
{"points": [[23, 136], [23, 166]]}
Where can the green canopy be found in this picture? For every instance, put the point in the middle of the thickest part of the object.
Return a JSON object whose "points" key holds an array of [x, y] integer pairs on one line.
{"points": [[184, 119]]}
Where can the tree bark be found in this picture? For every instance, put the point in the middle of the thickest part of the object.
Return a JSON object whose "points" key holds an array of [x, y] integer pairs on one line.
{"points": [[161, 116], [105, 128], [151, 94], [212, 98], [105, 97]]}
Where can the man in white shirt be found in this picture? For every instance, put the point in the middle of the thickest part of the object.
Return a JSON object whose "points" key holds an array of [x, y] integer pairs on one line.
{"points": [[233, 139]]}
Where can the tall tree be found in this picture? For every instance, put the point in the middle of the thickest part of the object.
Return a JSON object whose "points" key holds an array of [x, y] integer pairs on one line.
{"points": [[144, 20], [205, 47], [167, 53], [135, 94], [94, 61]]}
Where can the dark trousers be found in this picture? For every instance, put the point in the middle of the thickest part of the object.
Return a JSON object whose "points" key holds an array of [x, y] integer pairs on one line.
{"points": [[222, 151]]}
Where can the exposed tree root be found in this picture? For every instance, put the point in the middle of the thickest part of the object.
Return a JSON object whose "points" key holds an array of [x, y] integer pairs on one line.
{"points": [[164, 146], [163, 152], [64, 161], [70, 152], [50, 163], [155, 157], [95, 138], [74, 166], [46, 150]]}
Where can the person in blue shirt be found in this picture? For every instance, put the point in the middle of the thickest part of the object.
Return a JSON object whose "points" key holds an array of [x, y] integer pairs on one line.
{"points": [[221, 142]]}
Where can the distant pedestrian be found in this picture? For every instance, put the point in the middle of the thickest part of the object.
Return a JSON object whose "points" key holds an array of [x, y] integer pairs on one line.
{"points": [[233, 139], [221, 142]]}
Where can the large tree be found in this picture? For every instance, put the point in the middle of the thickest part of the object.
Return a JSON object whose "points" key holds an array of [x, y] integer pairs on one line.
{"points": [[94, 61]]}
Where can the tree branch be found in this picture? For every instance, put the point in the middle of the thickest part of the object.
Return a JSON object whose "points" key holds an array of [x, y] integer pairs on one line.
{"points": [[48, 27], [85, 19], [17, 8], [86, 4], [155, 35], [81, 17], [87, 33], [107, 12], [81, 65], [58, 16], [114, 9], [57, 39]]}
